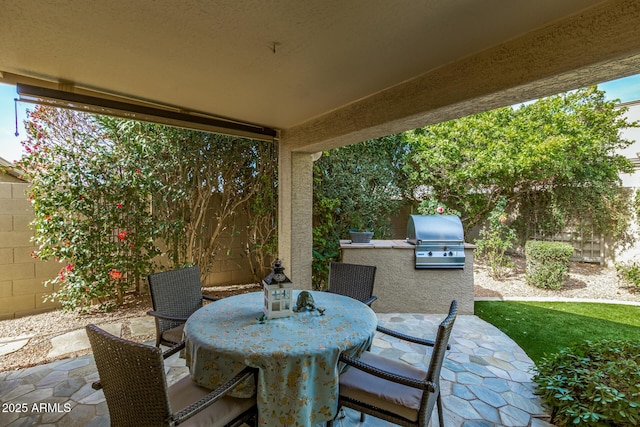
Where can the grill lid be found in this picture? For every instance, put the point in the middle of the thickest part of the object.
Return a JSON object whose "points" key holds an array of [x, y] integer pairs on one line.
{"points": [[434, 228]]}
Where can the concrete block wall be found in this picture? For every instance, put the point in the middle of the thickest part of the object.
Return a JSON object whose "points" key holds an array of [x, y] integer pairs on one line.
{"points": [[21, 277], [230, 266]]}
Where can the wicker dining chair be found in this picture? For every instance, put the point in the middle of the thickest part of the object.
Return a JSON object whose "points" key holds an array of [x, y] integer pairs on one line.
{"points": [[175, 295], [353, 280], [135, 387], [393, 390]]}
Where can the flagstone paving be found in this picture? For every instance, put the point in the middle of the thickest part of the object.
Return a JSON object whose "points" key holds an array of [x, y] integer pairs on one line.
{"points": [[486, 379]]}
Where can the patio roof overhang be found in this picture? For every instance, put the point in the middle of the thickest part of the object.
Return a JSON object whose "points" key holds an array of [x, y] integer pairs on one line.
{"points": [[327, 73], [141, 112]]}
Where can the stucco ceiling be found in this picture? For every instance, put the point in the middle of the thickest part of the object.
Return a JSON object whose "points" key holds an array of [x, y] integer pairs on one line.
{"points": [[278, 63]]}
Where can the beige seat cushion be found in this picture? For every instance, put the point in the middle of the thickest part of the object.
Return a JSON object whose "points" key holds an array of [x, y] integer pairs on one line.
{"points": [[185, 392], [397, 398], [173, 334]]}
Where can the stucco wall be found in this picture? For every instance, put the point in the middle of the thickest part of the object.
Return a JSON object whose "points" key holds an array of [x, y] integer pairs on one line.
{"points": [[632, 152], [21, 276], [401, 288]]}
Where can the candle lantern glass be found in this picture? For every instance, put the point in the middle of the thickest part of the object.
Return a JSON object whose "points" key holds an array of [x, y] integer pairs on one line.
{"points": [[278, 293]]}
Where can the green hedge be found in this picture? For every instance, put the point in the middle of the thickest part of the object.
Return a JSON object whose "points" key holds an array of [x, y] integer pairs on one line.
{"points": [[594, 383], [547, 263]]}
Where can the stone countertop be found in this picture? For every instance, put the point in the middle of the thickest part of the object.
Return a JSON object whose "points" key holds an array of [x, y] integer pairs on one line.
{"points": [[385, 244]]}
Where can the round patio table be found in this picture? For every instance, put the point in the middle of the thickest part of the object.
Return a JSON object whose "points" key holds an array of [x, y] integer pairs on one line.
{"points": [[296, 356]]}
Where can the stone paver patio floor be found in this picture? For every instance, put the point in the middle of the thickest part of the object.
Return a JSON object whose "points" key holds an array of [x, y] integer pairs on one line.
{"points": [[486, 381]]}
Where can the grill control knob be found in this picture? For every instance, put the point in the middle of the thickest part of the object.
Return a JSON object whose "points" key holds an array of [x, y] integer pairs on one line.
{"points": [[430, 253], [450, 253], [445, 254]]}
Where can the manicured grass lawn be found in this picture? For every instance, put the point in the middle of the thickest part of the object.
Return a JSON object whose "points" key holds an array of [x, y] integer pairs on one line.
{"points": [[546, 327]]}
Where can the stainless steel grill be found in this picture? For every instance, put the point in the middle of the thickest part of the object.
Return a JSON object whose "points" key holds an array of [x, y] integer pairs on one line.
{"points": [[438, 240]]}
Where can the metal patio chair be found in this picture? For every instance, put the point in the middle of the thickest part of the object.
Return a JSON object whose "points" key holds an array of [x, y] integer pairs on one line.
{"points": [[353, 280], [133, 379], [175, 295], [393, 390]]}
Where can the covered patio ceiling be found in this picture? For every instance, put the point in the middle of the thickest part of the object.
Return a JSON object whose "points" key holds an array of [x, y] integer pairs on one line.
{"points": [[321, 73]]}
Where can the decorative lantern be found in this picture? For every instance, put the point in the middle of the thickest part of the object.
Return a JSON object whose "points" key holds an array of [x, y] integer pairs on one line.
{"points": [[278, 293]]}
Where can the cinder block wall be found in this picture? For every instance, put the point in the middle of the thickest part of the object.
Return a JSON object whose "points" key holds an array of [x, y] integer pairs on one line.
{"points": [[21, 276]]}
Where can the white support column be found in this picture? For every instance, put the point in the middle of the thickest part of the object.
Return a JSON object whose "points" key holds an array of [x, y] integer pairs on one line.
{"points": [[295, 211]]}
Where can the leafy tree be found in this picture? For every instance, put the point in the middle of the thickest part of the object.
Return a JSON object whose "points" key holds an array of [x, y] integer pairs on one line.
{"points": [[91, 198], [208, 180], [357, 186], [111, 195], [549, 159], [261, 241]]}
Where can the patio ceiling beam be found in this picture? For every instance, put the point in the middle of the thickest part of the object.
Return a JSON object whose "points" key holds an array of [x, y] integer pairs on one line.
{"points": [[128, 110]]}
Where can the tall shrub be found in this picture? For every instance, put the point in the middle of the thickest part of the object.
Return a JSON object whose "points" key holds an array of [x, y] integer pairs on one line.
{"points": [[357, 186], [109, 194], [91, 196], [209, 180], [495, 239], [260, 241]]}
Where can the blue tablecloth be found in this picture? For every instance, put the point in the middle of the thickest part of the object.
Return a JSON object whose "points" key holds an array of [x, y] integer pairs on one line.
{"points": [[297, 356]]}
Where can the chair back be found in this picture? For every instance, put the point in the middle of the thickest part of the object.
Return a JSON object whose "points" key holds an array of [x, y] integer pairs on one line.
{"points": [[132, 378], [352, 280], [437, 358], [175, 293]]}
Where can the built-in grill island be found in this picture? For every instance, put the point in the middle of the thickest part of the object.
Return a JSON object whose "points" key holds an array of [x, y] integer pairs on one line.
{"points": [[423, 272], [438, 241]]}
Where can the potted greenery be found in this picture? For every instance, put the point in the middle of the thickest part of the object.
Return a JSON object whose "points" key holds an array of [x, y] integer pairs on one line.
{"points": [[360, 231]]}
